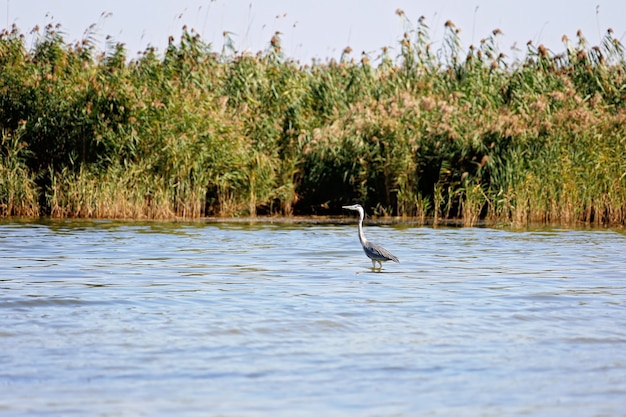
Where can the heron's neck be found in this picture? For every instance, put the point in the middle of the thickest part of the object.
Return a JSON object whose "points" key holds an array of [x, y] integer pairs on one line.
{"points": [[361, 234]]}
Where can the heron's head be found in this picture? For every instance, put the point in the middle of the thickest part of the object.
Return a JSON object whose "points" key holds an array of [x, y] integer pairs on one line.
{"points": [[355, 207]]}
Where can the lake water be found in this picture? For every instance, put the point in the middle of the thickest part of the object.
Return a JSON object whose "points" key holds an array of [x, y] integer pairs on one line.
{"points": [[244, 319]]}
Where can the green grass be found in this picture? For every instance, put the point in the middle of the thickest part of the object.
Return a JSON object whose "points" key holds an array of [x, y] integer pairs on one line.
{"points": [[435, 135]]}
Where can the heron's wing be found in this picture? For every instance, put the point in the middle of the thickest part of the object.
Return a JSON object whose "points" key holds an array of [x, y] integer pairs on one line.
{"points": [[379, 253]]}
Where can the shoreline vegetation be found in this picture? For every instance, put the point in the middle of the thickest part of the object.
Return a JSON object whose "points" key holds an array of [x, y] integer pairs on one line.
{"points": [[446, 135]]}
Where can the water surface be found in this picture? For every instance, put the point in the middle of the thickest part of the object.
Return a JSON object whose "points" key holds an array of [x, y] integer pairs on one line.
{"points": [[162, 319]]}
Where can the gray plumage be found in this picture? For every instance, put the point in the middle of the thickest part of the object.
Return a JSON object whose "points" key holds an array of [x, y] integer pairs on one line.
{"points": [[373, 251]]}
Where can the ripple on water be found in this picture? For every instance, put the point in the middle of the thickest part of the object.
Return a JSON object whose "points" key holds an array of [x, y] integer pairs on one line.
{"points": [[195, 319]]}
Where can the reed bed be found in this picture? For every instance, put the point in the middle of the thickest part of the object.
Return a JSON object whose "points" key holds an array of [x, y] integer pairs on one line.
{"points": [[433, 135]]}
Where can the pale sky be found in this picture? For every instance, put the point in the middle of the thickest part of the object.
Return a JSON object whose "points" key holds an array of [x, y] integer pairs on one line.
{"points": [[320, 28]]}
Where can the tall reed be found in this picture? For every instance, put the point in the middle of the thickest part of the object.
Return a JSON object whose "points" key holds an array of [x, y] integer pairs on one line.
{"points": [[432, 134], [18, 191]]}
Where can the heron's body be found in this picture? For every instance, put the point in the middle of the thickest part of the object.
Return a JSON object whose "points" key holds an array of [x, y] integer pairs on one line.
{"points": [[373, 251]]}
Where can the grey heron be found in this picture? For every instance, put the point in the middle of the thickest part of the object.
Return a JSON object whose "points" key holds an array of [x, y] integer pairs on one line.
{"points": [[373, 251]]}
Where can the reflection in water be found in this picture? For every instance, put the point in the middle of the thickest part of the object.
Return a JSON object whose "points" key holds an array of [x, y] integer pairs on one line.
{"points": [[117, 318]]}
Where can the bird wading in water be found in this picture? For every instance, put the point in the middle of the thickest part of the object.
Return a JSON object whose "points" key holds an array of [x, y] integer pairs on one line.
{"points": [[373, 251]]}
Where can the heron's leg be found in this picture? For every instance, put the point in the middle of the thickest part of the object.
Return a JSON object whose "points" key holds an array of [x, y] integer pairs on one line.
{"points": [[374, 268]]}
